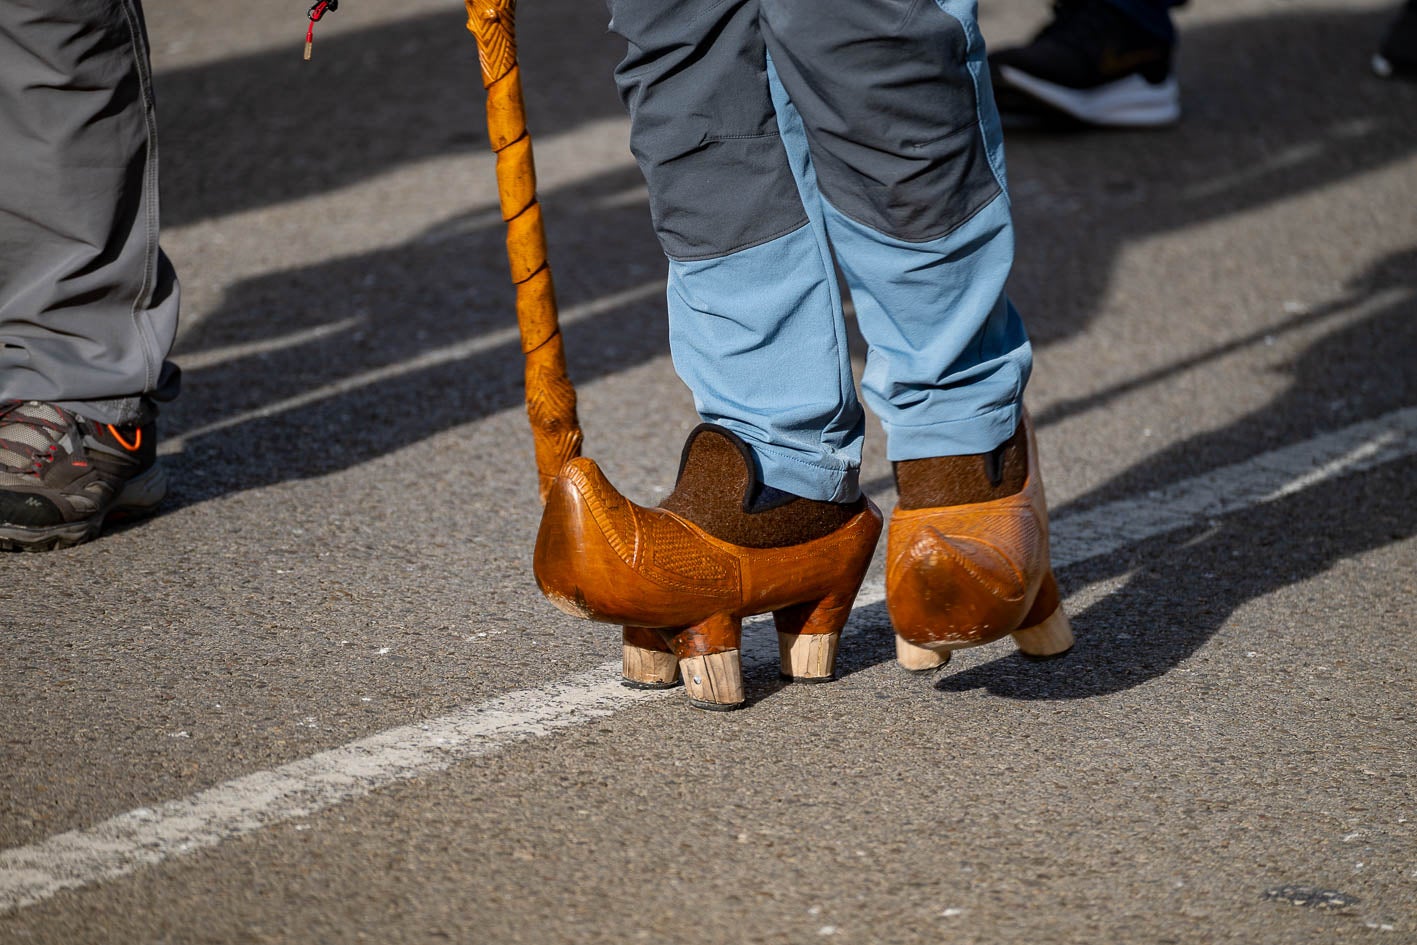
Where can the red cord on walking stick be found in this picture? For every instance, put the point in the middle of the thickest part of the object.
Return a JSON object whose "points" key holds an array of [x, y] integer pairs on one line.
{"points": [[317, 11]]}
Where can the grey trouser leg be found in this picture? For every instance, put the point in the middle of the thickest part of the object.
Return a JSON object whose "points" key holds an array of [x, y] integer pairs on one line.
{"points": [[884, 90], [88, 302]]}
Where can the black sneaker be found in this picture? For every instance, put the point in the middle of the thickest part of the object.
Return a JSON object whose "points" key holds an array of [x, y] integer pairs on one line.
{"points": [[1397, 56], [1093, 65], [62, 476]]}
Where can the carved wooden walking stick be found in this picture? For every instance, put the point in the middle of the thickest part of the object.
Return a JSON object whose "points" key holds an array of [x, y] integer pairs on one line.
{"points": [[550, 398]]}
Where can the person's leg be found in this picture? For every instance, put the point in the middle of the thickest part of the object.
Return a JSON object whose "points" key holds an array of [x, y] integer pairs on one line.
{"points": [[766, 514], [756, 326], [88, 302], [908, 160], [887, 106]]}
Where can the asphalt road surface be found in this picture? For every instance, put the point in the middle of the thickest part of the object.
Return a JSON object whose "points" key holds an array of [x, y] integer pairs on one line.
{"points": [[319, 699]]}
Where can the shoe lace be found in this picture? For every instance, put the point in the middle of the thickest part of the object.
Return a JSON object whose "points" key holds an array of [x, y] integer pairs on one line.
{"points": [[30, 432]]}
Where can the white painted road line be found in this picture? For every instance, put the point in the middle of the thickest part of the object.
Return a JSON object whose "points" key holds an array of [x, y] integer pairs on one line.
{"points": [[1256, 481], [122, 844], [215, 357], [149, 835]]}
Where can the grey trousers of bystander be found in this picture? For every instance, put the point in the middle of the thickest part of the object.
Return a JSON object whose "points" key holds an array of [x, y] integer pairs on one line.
{"points": [[88, 300]]}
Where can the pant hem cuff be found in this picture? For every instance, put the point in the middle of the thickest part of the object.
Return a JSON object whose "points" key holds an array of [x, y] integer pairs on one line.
{"points": [[787, 471], [978, 434]]}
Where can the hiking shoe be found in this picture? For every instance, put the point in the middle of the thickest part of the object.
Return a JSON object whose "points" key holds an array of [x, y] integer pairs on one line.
{"points": [[62, 476], [1093, 65], [1397, 56]]}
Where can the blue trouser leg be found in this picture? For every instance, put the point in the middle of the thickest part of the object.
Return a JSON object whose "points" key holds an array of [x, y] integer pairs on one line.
{"points": [[940, 386], [872, 133], [759, 337], [755, 320]]}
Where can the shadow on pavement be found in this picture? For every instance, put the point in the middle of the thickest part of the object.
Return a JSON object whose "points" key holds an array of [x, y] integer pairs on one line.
{"points": [[1188, 585], [1178, 589], [1358, 371], [1079, 200], [1276, 107], [1184, 588], [1244, 143], [337, 400], [262, 129]]}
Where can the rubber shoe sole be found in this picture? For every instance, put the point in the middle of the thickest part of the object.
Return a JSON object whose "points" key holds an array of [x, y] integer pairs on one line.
{"points": [[1132, 102], [141, 496]]}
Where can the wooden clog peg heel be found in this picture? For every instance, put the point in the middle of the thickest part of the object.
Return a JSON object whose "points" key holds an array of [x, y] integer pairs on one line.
{"points": [[647, 659], [710, 662], [918, 659], [808, 657], [1052, 637]]}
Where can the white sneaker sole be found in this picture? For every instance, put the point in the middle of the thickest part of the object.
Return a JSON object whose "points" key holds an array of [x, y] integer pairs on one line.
{"points": [[1132, 102]]}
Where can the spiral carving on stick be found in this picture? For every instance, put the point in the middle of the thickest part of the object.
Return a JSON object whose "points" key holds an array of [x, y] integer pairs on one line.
{"points": [[550, 398], [494, 24]]}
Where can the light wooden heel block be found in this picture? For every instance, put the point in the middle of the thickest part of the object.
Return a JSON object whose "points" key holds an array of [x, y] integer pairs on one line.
{"points": [[918, 659], [1052, 637], [808, 657], [713, 680], [644, 668]]}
